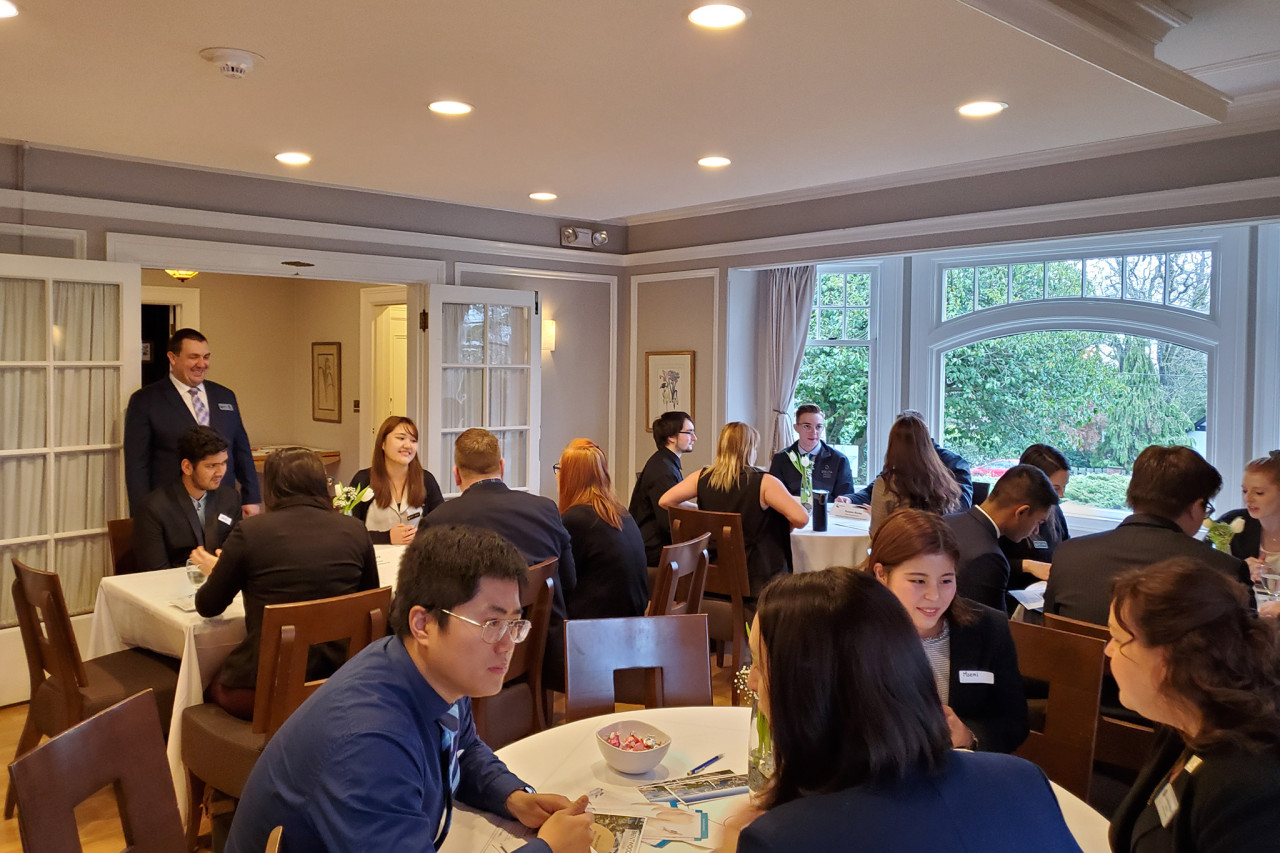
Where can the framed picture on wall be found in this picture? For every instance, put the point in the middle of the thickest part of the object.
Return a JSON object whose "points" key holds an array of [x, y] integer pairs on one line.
{"points": [[668, 384], [326, 381]]}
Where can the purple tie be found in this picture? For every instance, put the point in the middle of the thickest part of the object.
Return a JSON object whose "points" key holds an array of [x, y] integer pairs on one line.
{"points": [[202, 412]]}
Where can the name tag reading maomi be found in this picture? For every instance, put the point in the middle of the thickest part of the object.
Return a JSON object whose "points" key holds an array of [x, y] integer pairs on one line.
{"points": [[976, 676]]}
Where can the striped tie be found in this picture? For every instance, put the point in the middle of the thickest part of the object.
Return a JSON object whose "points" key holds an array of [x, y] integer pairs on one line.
{"points": [[202, 411], [449, 724]]}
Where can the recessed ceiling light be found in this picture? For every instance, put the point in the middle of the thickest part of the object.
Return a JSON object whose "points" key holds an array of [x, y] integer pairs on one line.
{"points": [[982, 109], [542, 196], [7, 9], [294, 158], [449, 108], [719, 15], [714, 162]]}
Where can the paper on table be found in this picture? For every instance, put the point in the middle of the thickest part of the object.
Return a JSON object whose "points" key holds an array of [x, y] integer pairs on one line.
{"points": [[1032, 597], [662, 822], [187, 604], [615, 833]]}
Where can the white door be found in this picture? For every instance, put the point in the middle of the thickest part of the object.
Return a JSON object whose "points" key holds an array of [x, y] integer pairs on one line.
{"points": [[483, 370], [69, 359]]}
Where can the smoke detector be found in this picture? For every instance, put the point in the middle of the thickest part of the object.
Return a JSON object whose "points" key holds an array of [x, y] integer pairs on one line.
{"points": [[232, 62]]}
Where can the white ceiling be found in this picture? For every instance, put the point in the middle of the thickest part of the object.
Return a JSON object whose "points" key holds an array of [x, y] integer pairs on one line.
{"points": [[607, 103]]}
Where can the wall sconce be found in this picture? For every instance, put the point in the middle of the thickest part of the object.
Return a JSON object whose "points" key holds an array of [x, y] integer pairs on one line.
{"points": [[583, 237], [548, 335]]}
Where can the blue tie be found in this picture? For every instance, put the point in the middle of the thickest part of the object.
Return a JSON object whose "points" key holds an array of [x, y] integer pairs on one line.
{"points": [[449, 724], [202, 412]]}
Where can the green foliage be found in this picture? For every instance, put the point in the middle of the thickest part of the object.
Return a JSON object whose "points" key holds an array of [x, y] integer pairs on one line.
{"points": [[1101, 490], [835, 377]]}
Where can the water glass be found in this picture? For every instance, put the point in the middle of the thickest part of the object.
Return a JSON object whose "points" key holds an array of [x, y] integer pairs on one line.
{"points": [[195, 575]]}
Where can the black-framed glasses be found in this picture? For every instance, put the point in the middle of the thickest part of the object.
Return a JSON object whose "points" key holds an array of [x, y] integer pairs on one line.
{"points": [[687, 432], [493, 630], [1208, 509], [555, 468]]}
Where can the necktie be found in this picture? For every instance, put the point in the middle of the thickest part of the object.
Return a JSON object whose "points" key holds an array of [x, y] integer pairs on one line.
{"points": [[202, 411], [449, 724], [200, 509]]}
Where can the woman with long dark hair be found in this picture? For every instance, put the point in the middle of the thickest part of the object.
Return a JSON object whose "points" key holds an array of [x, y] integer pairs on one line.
{"points": [[608, 550], [300, 549], [403, 491], [862, 752], [969, 647], [913, 477], [1188, 653]]}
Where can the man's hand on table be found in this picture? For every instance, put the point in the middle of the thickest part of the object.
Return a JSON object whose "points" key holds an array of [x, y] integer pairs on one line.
{"points": [[565, 825], [204, 559], [842, 499], [251, 509], [1039, 568]]}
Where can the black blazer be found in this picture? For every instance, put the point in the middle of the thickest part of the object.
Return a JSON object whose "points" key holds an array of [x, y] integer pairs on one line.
{"points": [[982, 574], [361, 510], [300, 550], [1080, 580], [980, 801], [1248, 542], [831, 470], [166, 529], [613, 580], [996, 711], [955, 463], [1228, 803], [157, 417], [531, 523], [1052, 533], [660, 473]]}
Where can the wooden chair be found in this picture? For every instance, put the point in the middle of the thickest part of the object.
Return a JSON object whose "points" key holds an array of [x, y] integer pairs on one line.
{"points": [[273, 840], [218, 749], [681, 578], [517, 710], [65, 689], [597, 648], [120, 535], [1072, 666], [1123, 739], [120, 747], [727, 576]]}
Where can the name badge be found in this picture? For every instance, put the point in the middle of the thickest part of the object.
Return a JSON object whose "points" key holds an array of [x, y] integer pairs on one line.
{"points": [[1039, 544], [224, 518], [976, 676], [226, 407], [413, 515], [1166, 804]]}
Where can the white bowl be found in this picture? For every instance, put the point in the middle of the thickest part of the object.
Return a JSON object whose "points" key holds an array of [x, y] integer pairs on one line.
{"points": [[626, 761]]}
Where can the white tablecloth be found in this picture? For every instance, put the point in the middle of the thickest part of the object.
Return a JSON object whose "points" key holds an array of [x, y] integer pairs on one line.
{"points": [[565, 760], [135, 611], [844, 543]]}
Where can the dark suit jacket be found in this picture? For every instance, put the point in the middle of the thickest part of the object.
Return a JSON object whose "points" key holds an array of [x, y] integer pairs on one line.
{"points": [[361, 510], [1080, 581], [1248, 542], [831, 470], [157, 417], [996, 712], [956, 464], [660, 473], [1228, 803], [983, 571], [980, 801], [613, 580], [166, 529], [300, 550], [533, 525]]}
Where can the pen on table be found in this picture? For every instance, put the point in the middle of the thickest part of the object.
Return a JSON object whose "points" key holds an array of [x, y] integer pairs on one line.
{"points": [[704, 765]]}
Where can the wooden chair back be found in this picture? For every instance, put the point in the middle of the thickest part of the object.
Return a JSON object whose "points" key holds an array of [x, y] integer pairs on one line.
{"points": [[121, 747], [288, 633], [680, 579], [273, 840], [1075, 626], [47, 636], [1072, 666], [120, 535], [502, 719], [597, 648]]}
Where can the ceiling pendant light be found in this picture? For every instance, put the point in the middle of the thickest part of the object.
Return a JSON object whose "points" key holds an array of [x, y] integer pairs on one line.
{"points": [[183, 275]]}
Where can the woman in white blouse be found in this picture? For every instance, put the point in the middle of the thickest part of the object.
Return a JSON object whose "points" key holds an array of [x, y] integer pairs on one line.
{"points": [[403, 491]]}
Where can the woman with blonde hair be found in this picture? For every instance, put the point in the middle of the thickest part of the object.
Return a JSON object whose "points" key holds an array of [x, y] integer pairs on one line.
{"points": [[403, 491], [732, 483], [913, 476], [608, 550]]}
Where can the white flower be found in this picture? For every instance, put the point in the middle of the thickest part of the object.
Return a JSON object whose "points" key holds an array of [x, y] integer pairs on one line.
{"points": [[1207, 523], [1237, 526], [367, 496]]}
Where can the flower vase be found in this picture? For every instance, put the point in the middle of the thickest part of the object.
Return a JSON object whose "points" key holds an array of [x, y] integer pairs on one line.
{"points": [[806, 489], [759, 750]]}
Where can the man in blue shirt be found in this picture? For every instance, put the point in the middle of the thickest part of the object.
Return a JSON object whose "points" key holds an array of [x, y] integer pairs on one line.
{"points": [[376, 757]]}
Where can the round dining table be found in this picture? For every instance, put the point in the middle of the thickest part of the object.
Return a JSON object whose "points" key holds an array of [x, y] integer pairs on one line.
{"points": [[565, 760], [845, 542]]}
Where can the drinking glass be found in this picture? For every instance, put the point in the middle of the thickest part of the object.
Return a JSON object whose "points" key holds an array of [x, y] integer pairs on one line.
{"points": [[195, 575]]}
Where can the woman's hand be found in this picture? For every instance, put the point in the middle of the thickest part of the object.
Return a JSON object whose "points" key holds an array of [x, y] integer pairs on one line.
{"points": [[1256, 568], [733, 826], [1270, 609], [962, 736], [402, 534]]}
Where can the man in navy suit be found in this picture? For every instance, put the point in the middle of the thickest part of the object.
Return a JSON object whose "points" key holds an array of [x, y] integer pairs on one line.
{"points": [[831, 469], [190, 517], [1018, 502], [159, 413], [530, 522]]}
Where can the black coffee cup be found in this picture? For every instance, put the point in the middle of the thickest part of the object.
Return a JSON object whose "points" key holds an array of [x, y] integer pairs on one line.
{"points": [[819, 510]]}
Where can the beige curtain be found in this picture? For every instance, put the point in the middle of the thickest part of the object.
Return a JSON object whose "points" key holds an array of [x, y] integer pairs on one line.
{"points": [[788, 301]]}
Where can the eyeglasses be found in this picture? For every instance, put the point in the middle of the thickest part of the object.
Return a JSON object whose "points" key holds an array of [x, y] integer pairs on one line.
{"points": [[493, 630], [814, 427], [555, 468], [686, 432], [1208, 509]]}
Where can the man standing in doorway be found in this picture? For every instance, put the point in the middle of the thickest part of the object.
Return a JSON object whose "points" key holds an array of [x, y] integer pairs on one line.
{"points": [[674, 435], [831, 471], [160, 413]]}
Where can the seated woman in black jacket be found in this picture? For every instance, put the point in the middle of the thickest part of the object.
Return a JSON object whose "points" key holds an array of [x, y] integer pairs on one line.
{"points": [[300, 549], [608, 550], [975, 664], [403, 491]]}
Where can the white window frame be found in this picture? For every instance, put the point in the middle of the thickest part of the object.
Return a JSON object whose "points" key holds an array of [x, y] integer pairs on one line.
{"points": [[1221, 333]]}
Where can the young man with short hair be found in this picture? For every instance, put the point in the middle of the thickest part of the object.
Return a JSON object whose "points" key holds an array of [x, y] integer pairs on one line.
{"points": [[674, 435], [376, 757], [831, 470]]}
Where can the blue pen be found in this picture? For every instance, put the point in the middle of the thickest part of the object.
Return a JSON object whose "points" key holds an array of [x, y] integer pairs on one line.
{"points": [[704, 765]]}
